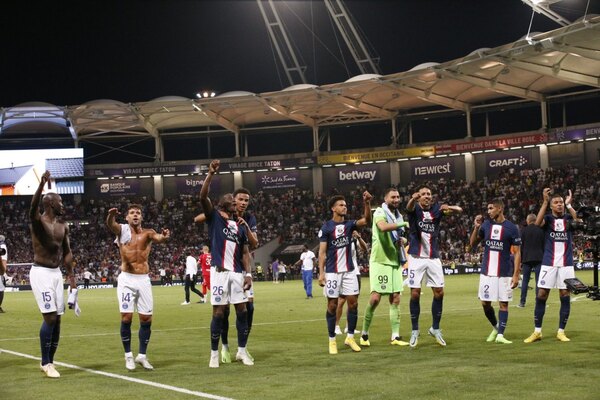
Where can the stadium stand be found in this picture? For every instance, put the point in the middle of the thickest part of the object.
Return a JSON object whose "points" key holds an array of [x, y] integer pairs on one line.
{"points": [[291, 216]]}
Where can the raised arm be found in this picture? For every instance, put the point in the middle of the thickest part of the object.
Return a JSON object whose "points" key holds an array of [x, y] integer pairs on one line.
{"points": [[200, 218], [366, 218], [111, 221], [204, 200], [539, 220], [474, 239], [569, 206], [34, 210], [448, 209], [160, 237], [362, 245], [410, 206]]}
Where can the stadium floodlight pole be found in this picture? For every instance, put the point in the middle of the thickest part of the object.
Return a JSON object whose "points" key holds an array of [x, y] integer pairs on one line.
{"points": [[543, 7]]}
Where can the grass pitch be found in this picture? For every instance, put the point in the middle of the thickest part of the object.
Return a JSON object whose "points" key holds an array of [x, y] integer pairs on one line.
{"points": [[289, 344]]}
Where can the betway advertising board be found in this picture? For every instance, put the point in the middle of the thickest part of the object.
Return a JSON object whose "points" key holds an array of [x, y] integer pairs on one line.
{"points": [[352, 176]]}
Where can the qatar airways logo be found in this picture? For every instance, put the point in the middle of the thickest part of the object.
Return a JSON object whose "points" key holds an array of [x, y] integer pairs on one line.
{"points": [[439, 169], [559, 236], [426, 227], [231, 232], [357, 175], [340, 242], [494, 245]]}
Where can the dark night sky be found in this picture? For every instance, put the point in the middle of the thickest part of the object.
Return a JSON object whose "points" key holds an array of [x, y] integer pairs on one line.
{"points": [[70, 52]]}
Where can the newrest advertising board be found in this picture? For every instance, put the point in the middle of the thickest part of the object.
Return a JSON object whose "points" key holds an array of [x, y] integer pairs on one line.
{"points": [[434, 168]]}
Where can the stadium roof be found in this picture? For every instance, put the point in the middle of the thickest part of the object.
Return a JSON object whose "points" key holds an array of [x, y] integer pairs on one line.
{"points": [[533, 68]]}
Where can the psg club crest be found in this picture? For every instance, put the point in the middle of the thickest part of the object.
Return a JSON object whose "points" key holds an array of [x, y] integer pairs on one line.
{"points": [[542, 282], [339, 230], [412, 281], [383, 287], [125, 306], [330, 291], [217, 299], [47, 306], [487, 296]]}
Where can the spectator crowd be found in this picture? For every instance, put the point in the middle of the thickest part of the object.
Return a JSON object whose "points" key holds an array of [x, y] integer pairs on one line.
{"points": [[291, 216]]}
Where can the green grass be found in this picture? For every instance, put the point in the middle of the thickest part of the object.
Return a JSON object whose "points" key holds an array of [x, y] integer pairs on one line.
{"points": [[289, 343]]}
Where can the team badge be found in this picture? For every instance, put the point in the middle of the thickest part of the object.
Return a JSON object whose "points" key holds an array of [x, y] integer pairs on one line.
{"points": [[542, 282], [218, 299], [412, 281], [383, 287], [339, 230], [125, 306], [47, 306], [487, 296], [559, 225]]}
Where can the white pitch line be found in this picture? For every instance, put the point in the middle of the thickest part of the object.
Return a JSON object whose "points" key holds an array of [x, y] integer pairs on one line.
{"points": [[125, 378]]}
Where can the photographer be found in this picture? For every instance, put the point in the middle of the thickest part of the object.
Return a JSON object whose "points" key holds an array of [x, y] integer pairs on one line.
{"points": [[3, 263], [557, 262]]}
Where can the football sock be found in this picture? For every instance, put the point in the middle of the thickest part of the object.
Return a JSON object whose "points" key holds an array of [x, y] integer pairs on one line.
{"points": [[55, 339], [250, 309], [46, 341], [415, 311], [437, 306], [144, 335], [241, 323], [491, 315], [540, 310], [330, 324], [225, 326], [565, 310], [126, 336], [352, 317], [503, 317], [216, 326], [395, 318], [367, 318]]}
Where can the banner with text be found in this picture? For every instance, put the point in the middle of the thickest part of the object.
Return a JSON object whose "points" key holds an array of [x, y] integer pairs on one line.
{"points": [[432, 168], [199, 168], [377, 155], [193, 184], [489, 144], [559, 135], [499, 161], [117, 187], [358, 174], [277, 180]]}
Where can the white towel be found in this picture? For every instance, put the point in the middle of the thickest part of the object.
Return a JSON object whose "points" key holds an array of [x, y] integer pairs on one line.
{"points": [[125, 236], [73, 302]]}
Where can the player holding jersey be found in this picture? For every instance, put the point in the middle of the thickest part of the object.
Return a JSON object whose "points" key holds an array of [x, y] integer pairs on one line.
{"points": [[424, 260], [499, 273], [557, 262], [230, 271], [336, 268], [134, 289]]}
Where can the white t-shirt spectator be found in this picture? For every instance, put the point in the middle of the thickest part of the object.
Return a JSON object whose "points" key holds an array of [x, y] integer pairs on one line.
{"points": [[191, 266], [307, 260]]}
